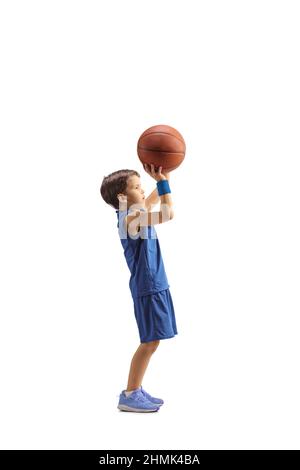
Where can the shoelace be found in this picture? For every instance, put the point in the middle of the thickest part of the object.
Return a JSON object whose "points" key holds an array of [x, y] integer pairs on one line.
{"points": [[146, 395], [136, 395]]}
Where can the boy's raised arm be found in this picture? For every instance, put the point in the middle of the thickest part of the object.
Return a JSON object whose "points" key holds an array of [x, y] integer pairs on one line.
{"points": [[153, 199], [142, 218]]}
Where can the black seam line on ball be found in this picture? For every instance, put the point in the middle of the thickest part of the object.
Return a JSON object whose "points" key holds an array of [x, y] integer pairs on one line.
{"points": [[165, 133], [160, 151]]}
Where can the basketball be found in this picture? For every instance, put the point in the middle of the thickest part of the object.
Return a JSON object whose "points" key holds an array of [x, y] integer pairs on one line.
{"points": [[163, 146]]}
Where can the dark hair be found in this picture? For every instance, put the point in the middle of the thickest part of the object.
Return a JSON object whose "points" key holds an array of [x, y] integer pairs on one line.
{"points": [[114, 184]]}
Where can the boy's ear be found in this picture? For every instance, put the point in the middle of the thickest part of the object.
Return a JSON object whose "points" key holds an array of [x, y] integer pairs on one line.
{"points": [[122, 197]]}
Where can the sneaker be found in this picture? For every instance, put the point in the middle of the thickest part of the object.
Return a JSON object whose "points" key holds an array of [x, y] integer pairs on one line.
{"points": [[156, 401], [136, 401]]}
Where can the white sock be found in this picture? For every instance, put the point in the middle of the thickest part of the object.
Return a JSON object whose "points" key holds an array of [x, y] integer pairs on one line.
{"points": [[130, 392]]}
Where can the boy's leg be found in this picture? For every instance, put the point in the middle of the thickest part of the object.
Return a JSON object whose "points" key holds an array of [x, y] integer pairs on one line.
{"points": [[139, 364]]}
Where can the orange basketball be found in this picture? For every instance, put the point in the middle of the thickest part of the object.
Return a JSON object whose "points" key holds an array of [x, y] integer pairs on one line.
{"points": [[163, 146]]}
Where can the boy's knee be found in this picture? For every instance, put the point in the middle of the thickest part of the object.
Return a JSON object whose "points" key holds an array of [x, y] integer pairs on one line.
{"points": [[155, 344], [151, 345]]}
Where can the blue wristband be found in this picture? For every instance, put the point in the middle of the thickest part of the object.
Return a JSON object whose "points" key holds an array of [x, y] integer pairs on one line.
{"points": [[163, 187]]}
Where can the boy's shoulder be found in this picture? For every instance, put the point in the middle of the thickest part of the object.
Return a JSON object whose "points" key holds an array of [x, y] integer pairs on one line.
{"points": [[125, 217], [129, 220], [132, 220]]}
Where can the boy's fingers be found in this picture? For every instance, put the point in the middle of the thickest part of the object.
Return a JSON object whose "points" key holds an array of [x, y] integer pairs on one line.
{"points": [[151, 169]]}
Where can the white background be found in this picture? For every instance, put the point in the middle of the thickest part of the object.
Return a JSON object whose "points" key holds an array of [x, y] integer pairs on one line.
{"points": [[80, 81]]}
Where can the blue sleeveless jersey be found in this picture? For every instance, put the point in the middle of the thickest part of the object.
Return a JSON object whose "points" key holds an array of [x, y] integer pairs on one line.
{"points": [[144, 259]]}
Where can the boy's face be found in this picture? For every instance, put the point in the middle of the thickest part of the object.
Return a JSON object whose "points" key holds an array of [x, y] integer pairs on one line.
{"points": [[135, 193]]}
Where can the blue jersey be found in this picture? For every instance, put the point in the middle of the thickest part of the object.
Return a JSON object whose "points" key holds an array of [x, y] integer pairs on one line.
{"points": [[144, 259]]}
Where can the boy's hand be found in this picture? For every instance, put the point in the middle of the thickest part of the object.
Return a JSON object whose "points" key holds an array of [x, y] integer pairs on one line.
{"points": [[157, 175]]}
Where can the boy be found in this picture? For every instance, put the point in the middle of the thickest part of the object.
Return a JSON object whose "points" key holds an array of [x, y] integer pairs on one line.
{"points": [[153, 306]]}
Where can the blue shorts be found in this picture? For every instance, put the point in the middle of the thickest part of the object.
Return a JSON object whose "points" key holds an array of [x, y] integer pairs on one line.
{"points": [[155, 316]]}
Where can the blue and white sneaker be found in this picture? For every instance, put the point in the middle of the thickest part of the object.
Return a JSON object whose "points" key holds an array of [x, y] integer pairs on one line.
{"points": [[136, 401], [156, 401]]}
